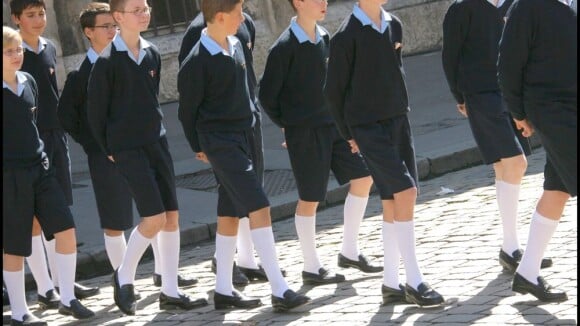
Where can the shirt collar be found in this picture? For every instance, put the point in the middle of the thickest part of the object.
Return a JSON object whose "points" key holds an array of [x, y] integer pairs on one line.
{"points": [[92, 55], [21, 79], [365, 20], [214, 48], [120, 45], [499, 3], [301, 34], [41, 45]]}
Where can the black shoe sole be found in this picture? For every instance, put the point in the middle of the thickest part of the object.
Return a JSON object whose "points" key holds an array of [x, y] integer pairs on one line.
{"points": [[412, 300], [171, 306], [70, 313], [348, 265], [223, 306], [524, 291]]}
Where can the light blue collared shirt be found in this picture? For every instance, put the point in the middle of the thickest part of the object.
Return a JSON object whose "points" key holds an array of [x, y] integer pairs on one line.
{"points": [[365, 20], [39, 48], [21, 79], [214, 48], [120, 45], [92, 55], [301, 34], [499, 3]]}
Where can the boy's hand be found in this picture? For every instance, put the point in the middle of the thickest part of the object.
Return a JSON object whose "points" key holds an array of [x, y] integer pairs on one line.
{"points": [[110, 157], [525, 127], [398, 45], [202, 157], [462, 108], [353, 146]]}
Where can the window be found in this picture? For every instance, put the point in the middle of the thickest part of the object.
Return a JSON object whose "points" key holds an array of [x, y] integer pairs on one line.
{"points": [[170, 16]]}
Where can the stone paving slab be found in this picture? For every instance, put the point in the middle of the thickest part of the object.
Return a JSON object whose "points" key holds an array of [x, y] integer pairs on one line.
{"points": [[458, 240]]}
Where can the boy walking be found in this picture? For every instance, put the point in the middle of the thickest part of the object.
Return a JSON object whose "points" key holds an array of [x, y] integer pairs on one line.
{"points": [[539, 82], [216, 112], [471, 33], [124, 115], [291, 92], [365, 60]]}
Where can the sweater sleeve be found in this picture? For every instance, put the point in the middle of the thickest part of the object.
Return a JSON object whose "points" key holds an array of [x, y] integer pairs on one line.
{"points": [[514, 48], [190, 85], [337, 81], [455, 27], [190, 38], [275, 74], [70, 104], [99, 96]]}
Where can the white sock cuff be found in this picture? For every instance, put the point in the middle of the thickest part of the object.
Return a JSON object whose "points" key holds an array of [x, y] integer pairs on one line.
{"points": [[538, 218], [117, 238], [355, 197], [225, 238]]}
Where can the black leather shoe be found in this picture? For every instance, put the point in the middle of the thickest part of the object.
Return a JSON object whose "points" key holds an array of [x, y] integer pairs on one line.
{"points": [[324, 276], [423, 296], [182, 302], [28, 319], [290, 300], [182, 281], [510, 263], [83, 292], [76, 309], [258, 274], [391, 295], [50, 300], [136, 294], [124, 296], [362, 263], [543, 291], [5, 298], [238, 278], [236, 300]]}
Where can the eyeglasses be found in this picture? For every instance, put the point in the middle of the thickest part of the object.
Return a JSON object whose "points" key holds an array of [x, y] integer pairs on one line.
{"points": [[108, 27], [13, 52], [139, 11]]}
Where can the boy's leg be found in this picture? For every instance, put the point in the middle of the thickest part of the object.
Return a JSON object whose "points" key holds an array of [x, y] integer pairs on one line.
{"points": [[13, 274], [225, 252], [245, 246], [305, 222], [168, 240], [115, 245], [392, 290], [355, 205], [48, 298]]}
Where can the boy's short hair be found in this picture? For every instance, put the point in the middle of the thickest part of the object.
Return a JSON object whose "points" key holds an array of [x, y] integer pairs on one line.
{"points": [[210, 8], [117, 5], [88, 16], [9, 36], [18, 6]]}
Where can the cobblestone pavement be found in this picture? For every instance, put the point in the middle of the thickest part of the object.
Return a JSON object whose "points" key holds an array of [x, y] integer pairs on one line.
{"points": [[458, 241]]}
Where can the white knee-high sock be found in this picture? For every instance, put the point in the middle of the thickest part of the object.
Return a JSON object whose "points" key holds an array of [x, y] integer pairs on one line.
{"points": [[354, 211], [51, 255], [37, 264], [226, 247], [68, 266], [541, 231], [391, 257], [266, 248], [507, 201], [169, 245], [156, 257], [15, 286], [406, 240], [115, 247], [135, 249], [306, 230], [245, 245]]}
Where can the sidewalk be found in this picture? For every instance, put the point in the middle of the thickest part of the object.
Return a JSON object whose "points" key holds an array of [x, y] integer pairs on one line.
{"points": [[458, 239]]}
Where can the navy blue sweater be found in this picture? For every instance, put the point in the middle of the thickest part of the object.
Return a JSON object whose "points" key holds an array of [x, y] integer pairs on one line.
{"points": [[538, 60], [471, 33], [21, 144], [365, 82], [122, 106], [291, 89], [42, 66]]}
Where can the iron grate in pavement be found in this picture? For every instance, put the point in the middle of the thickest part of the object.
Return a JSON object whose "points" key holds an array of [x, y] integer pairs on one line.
{"points": [[276, 182]]}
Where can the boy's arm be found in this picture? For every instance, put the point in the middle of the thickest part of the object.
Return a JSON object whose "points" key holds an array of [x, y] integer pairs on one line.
{"points": [[190, 85], [337, 81], [99, 96], [455, 27], [275, 74], [70, 104], [514, 48], [190, 38]]}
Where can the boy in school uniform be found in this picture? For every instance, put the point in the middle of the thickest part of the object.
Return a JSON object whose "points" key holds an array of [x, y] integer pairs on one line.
{"points": [[30, 189], [539, 81], [366, 91], [471, 33], [112, 194], [125, 117], [291, 93], [216, 112], [40, 62]]}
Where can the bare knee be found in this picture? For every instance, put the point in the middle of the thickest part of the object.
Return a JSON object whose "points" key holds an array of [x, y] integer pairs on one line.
{"points": [[112, 233], [361, 187], [151, 225]]}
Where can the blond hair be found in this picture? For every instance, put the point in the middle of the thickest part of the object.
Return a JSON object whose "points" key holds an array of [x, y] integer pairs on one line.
{"points": [[9, 36]]}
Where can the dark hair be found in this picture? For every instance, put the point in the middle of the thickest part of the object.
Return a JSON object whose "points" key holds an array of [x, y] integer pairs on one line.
{"points": [[210, 8], [89, 15], [18, 6]]}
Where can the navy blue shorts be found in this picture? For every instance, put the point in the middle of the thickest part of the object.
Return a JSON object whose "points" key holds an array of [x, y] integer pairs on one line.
{"points": [[493, 128], [149, 173], [56, 148], [387, 147], [112, 194], [557, 126], [314, 152], [231, 156], [29, 192]]}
